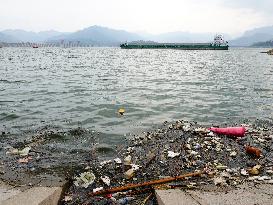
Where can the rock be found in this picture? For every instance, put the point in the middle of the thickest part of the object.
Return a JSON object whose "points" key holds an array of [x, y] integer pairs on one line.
{"points": [[254, 170], [221, 167], [270, 172], [117, 160], [128, 160]]}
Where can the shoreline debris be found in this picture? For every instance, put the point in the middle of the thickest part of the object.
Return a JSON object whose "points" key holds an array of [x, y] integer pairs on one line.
{"points": [[149, 183]]}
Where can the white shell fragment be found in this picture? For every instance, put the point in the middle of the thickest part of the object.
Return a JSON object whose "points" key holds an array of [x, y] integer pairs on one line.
{"points": [[127, 160], [105, 162], [244, 172], [97, 189], [219, 181], [135, 167], [106, 180], [172, 154], [117, 160]]}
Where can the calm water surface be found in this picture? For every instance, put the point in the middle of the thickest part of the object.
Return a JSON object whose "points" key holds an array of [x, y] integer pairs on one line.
{"points": [[85, 87]]}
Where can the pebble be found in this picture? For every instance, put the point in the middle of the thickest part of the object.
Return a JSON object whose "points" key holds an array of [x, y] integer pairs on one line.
{"points": [[262, 178], [233, 154]]}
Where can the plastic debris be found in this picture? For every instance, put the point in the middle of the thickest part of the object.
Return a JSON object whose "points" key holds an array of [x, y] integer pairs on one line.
{"points": [[125, 200], [97, 189], [106, 180], [24, 160], [172, 154], [253, 150], [85, 179], [231, 131], [121, 111]]}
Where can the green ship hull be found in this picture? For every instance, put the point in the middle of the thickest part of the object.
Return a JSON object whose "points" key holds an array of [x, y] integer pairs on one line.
{"points": [[207, 46]]}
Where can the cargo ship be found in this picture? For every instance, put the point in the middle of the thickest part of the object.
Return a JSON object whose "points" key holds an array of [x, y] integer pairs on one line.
{"points": [[218, 44]]}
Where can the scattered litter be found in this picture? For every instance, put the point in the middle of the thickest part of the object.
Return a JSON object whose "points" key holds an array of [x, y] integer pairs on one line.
{"points": [[125, 200], [253, 150], [231, 131], [106, 180], [85, 179]]}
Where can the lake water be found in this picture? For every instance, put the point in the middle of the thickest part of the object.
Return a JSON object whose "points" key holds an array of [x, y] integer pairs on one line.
{"points": [[71, 87]]}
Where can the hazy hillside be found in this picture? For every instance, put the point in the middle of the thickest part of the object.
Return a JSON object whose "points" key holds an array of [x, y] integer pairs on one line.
{"points": [[7, 38], [29, 36], [264, 44], [102, 36], [182, 37], [253, 36], [98, 35]]}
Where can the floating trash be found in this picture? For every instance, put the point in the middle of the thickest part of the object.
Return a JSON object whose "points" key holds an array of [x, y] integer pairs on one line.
{"points": [[121, 111]]}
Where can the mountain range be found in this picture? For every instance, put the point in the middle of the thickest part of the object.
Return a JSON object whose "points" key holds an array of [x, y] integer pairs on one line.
{"points": [[102, 36]]}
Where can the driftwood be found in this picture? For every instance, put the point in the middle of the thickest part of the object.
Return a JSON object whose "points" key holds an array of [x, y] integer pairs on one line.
{"points": [[149, 183]]}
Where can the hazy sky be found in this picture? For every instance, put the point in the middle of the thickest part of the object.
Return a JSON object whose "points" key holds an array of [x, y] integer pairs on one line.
{"points": [[153, 16]]}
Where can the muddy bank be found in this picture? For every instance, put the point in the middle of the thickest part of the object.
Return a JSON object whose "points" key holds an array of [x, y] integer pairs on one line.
{"points": [[170, 151], [173, 150]]}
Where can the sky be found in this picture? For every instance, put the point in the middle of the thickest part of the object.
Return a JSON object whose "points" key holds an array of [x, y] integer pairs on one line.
{"points": [[152, 16]]}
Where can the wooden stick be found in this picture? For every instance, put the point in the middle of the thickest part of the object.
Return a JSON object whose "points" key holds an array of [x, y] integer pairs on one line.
{"points": [[149, 183]]}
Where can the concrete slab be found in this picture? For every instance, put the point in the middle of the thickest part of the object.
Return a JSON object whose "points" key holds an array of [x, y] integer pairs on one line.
{"points": [[35, 196], [174, 197], [244, 195], [7, 192]]}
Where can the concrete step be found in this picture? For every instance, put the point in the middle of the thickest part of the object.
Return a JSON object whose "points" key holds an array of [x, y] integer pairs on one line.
{"points": [[32, 196], [244, 195]]}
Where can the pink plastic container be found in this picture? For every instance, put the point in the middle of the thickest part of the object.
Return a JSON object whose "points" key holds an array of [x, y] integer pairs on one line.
{"points": [[231, 131]]}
